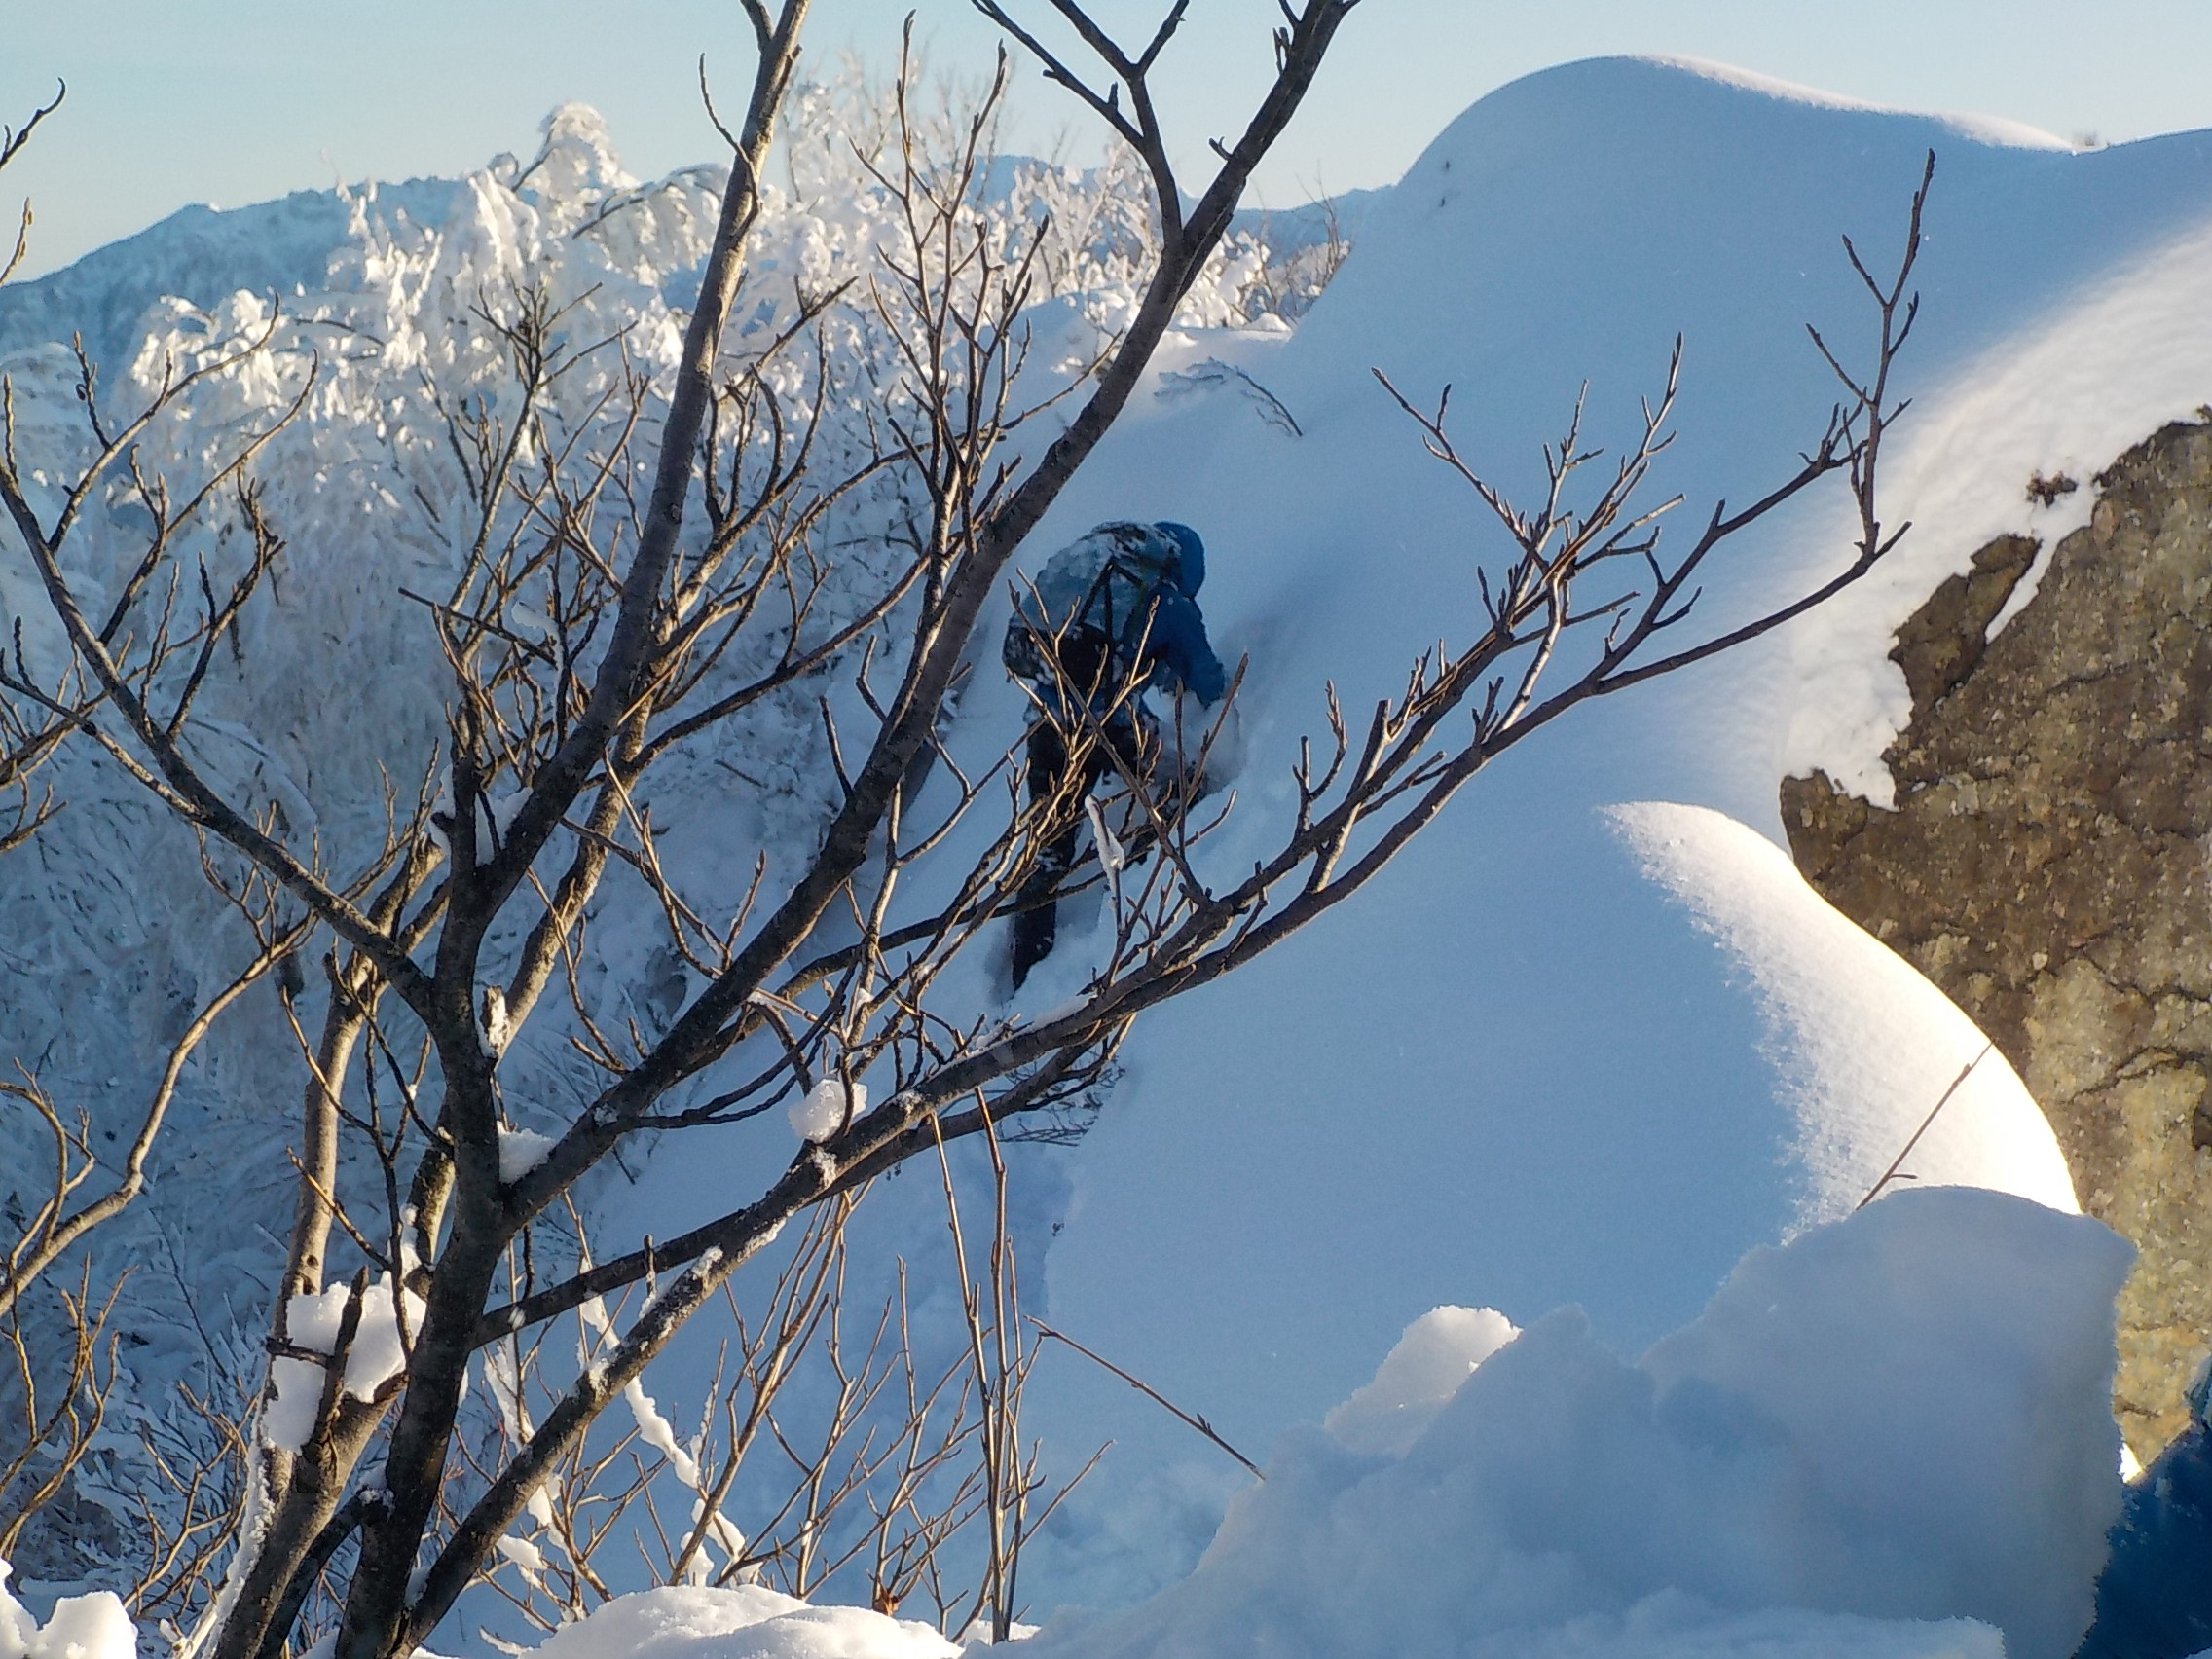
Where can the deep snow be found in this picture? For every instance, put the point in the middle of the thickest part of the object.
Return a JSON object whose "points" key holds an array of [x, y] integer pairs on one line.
{"points": [[1888, 1439], [1902, 1416], [1516, 1071]]}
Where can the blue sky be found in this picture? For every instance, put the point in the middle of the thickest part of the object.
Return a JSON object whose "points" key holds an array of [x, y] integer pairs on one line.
{"points": [[232, 102]]}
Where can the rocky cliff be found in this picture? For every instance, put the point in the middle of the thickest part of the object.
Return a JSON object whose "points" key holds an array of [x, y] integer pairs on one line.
{"points": [[2046, 864]]}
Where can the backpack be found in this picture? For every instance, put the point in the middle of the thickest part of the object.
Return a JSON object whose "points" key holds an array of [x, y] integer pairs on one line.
{"points": [[1094, 598]]}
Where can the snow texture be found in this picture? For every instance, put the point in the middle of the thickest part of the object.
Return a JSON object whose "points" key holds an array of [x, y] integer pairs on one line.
{"points": [[747, 1622], [82, 1627], [1903, 1416], [826, 1108]]}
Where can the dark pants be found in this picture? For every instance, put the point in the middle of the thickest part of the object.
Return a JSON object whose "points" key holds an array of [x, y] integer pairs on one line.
{"points": [[1037, 922]]}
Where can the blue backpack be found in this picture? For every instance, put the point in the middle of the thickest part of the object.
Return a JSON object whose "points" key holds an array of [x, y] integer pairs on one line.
{"points": [[1088, 606]]}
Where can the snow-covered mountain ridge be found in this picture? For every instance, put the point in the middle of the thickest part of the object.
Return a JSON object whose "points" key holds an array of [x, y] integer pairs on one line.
{"points": [[202, 255]]}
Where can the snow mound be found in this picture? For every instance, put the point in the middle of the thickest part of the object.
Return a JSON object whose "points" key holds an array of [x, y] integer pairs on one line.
{"points": [[1859, 1026], [747, 1622], [1893, 1424], [83, 1627]]}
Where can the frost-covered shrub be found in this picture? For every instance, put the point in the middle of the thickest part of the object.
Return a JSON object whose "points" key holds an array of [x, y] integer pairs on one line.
{"points": [[373, 409]]}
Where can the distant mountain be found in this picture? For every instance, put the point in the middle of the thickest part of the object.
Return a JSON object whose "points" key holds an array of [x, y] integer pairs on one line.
{"points": [[201, 254]]}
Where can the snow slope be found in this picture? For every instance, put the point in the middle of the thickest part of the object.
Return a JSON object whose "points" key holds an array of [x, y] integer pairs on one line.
{"points": [[1516, 1071]]}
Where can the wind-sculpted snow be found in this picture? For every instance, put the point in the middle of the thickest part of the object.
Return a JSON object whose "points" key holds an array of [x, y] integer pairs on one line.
{"points": [[1901, 1417], [1853, 1025]]}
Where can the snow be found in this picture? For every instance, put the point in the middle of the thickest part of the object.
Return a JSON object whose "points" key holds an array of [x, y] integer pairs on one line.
{"points": [[656, 1431], [1557, 1055], [1589, 1043], [826, 1108], [1855, 1025], [1895, 1425], [2067, 395], [378, 1353], [520, 1151], [745, 1622], [1439, 1352], [82, 1627], [1987, 130]]}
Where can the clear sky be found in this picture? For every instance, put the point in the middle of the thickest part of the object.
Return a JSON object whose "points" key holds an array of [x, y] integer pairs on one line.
{"points": [[232, 101]]}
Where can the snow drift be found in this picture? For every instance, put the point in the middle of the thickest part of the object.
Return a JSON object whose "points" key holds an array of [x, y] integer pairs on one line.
{"points": [[1889, 1439], [1899, 1417]]}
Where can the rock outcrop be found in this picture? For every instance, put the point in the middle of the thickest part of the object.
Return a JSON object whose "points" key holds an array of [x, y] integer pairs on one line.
{"points": [[2045, 863]]}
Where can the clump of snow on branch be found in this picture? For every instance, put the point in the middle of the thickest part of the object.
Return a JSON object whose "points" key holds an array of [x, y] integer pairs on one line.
{"points": [[313, 1323], [656, 1431], [826, 1108], [520, 1151]]}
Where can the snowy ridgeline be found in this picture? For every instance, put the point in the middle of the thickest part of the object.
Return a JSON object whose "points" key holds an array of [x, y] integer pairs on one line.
{"points": [[1889, 1439]]}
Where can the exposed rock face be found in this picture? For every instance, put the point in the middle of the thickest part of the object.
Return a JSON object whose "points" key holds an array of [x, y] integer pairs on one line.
{"points": [[2046, 867]]}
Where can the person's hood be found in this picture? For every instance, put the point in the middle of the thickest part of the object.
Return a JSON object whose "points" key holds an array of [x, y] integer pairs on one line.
{"points": [[1191, 565]]}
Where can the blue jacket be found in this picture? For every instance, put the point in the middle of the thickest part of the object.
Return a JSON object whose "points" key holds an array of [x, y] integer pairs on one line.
{"points": [[1177, 643], [2155, 1596]]}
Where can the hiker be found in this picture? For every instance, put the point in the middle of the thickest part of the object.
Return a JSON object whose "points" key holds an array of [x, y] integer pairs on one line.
{"points": [[1108, 617], [2154, 1595]]}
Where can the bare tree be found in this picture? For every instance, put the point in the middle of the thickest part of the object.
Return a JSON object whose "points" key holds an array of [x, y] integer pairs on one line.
{"points": [[589, 638], [62, 1378]]}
